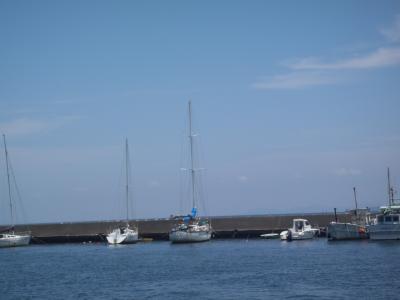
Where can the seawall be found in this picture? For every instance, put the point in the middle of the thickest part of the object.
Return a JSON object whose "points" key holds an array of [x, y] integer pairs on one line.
{"points": [[223, 226]]}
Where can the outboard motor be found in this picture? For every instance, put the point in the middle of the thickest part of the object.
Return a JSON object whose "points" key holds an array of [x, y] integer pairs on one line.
{"points": [[289, 236]]}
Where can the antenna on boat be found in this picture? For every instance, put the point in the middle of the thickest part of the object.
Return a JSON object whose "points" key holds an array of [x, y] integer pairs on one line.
{"points": [[191, 154], [389, 187], [355, 199], [8, 181]]}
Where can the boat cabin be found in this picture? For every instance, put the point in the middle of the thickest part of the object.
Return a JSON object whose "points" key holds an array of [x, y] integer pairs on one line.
{"points": [[388, 215], [300, 225], [388, 219]]}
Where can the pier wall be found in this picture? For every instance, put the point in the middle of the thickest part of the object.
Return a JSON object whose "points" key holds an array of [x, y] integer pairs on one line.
{"points": [[224, 227]]}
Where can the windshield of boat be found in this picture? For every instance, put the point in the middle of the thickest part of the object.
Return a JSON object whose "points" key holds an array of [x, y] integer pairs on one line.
{"points": [[298, 225], [203, 222]]}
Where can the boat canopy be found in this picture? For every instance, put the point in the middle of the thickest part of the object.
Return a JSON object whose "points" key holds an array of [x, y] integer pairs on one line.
{"points": [[194, 212], [190, 216]]}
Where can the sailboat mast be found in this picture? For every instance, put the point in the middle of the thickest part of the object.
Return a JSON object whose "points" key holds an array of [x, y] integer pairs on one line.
{"points": [[127, 179], [8, 181], [191, 154]]}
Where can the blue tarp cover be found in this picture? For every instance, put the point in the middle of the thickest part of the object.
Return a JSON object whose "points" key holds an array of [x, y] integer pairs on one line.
{"points": [[194, 212]]}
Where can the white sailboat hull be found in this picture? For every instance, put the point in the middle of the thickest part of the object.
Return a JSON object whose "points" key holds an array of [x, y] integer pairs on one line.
{"points": [[181, 236], [14, 240], [346, 231], [128, 237], [384, 232]]}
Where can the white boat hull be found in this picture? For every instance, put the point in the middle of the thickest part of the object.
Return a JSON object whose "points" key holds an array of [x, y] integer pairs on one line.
{"points": [[128, 237], [181, 236], [384, 232], [304, 235], [346, 231], [14, 240]]}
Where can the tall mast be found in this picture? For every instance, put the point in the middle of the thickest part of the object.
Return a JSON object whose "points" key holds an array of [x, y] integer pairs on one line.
{"points": [[389, 187], [191, 153], [8, 181], [127, 179]]}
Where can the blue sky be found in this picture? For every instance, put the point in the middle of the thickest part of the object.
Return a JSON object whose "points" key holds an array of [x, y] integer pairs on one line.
{"points": [[294, 102]]}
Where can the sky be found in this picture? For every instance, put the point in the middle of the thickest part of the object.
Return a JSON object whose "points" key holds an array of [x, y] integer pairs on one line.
{"points": [[294, 104]]}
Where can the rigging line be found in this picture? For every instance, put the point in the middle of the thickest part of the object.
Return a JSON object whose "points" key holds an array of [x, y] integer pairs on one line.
{"points": [[118, 192], [203, 175], [182, 163], [203, 190], [126, 182], [191, 154], [131, 183], [19, 198], [128, 177], [8, 181]]}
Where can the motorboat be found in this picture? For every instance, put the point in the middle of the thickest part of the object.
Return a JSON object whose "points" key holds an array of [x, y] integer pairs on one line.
{"points": [[386, 225], [353, 230], [301, 230], [346, 231]]}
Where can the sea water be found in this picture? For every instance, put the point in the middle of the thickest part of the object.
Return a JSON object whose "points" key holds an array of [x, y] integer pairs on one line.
{"points": [[219, 269]]}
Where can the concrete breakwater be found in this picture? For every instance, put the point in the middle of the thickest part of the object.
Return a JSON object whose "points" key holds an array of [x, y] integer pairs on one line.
{"points": [[224, 227]]}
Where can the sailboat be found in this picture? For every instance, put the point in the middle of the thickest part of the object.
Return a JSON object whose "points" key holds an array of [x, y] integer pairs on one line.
{"points": [[191, 228], [126, 234], [10, 238]]}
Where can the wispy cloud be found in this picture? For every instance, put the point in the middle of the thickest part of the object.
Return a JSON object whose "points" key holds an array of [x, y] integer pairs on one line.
{"points": [[294, 80], [242, 178], [316, 71], [80, 189], [25, 126], [393, 33], [153, 184], [382, 57], [347, 172]]}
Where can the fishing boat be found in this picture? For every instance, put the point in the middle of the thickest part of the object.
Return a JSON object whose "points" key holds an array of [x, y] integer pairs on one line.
{"points": [[9, 238], [301, 230], [191, 228], [353, 230], [386, 225], [124, 234]]}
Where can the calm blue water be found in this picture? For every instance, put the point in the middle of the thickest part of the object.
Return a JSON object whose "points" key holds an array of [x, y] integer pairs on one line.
{"points": [[220, 269]]}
